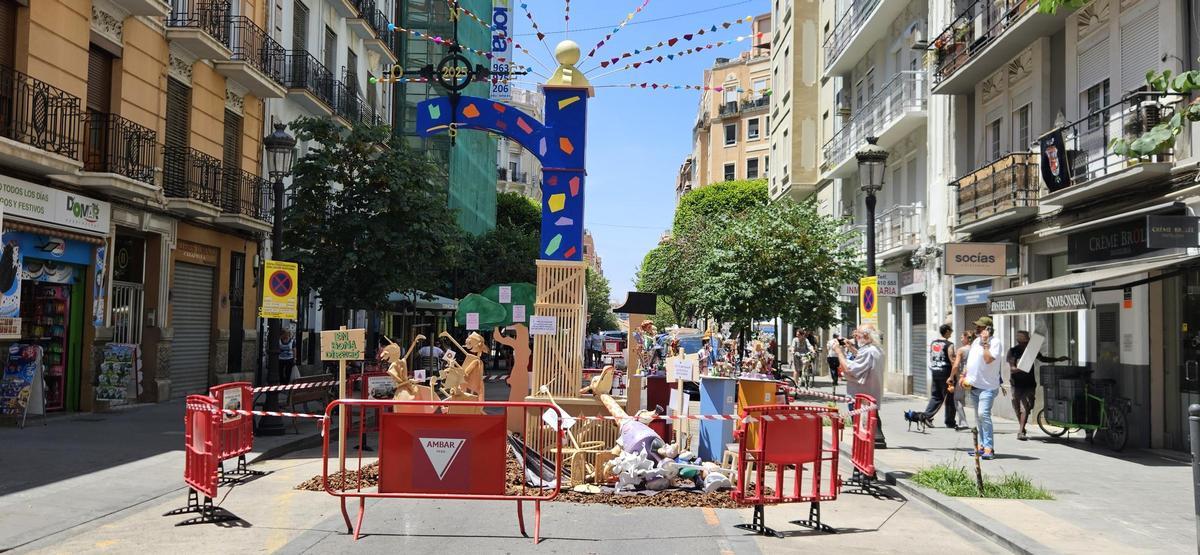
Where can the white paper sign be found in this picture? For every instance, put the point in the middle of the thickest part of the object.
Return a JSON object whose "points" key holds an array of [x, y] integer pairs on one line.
{"points": [[543, 325], [683, 371], [518, 313], [419, 375], [472, 320], [1031, 352], [505, 294]]}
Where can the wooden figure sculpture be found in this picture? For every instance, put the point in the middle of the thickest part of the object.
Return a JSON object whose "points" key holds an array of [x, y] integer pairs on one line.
{"points": [[518, 376], [465, 382], [602, 384], [406, 388]]}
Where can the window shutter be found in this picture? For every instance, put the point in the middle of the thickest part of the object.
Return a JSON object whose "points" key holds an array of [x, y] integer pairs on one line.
{"points": [[300, 27], [8, 33], [178, 114], [99, 85], [233, 142], [1139, 49], [1093, 65]]}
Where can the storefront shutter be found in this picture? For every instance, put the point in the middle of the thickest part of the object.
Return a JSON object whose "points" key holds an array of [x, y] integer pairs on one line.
{"points": [[1093, 65], [8, 33], [99, 85], [191, 318], [1139, 48], [918, 347]]}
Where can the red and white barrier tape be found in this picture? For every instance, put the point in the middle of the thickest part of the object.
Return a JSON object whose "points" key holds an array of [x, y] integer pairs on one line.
{"points": [[242, 412], [294, 386], [798, 392]]}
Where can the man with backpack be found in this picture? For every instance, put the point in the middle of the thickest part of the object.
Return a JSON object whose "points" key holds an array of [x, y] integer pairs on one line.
{"points": [[941, 353]]}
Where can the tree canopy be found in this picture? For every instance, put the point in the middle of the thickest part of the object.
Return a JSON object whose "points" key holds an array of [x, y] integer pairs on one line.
{"points": [[600, 314], [505, 254]]}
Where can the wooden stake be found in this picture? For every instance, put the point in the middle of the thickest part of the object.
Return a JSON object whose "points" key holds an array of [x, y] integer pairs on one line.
{"points": [[978, 470], [342, 414]]}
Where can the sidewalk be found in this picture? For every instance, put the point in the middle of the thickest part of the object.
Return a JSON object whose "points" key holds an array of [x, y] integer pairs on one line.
{"points": [[1105, 502], [81, 467]]}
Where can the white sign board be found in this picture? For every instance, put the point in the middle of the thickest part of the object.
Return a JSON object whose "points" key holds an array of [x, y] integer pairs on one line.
{"points": [[543, 325], [849, 290], [683, 370], [472, 320], [502, 47], [888, 284], [505, 294], [31, 201], [1031, 352], [518, 313]]}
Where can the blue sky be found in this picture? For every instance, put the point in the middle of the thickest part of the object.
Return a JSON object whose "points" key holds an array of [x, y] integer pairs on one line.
{"points": [[636, 138]]}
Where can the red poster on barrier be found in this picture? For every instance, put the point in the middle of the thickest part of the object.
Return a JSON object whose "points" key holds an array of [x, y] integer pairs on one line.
{"points": [[442, 453]]}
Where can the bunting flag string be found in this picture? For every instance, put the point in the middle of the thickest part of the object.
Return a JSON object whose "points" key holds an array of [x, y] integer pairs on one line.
{"points": [[666, 86], [567, 17], [477, 19], [674, 40], [681, 53], [629, 17], [436, 39], [536, 29]]}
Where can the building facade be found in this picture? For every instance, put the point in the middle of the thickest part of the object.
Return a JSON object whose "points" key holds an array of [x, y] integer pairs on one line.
{"points": [[1000, 121], [590, 255], [730, 136], [795, 91], [517, 169]]}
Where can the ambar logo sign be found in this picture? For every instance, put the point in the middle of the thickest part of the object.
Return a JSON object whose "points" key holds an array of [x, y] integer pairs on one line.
{"points": [[976, 259], [87, 211]]}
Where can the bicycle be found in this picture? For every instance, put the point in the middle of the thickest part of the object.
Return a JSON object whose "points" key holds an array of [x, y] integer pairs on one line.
{"points": [[1108, 417]]}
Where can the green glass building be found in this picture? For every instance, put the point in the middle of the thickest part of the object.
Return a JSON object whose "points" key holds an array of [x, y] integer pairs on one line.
{"points": [[471, 163]]}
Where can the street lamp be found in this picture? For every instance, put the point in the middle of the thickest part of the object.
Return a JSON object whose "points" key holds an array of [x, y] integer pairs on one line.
{"points": [[871, 161], [280, 148]]}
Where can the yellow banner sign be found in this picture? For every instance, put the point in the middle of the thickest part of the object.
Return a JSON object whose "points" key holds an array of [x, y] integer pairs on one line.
{"points": [[343, 344], [280, 282], [868, 300]]}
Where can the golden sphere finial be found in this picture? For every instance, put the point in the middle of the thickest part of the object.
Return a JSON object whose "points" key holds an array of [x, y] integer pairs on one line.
{"points": [[567, 53]]}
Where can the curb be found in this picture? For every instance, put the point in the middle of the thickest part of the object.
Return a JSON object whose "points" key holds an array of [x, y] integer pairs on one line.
{"points": [[988, 527]]}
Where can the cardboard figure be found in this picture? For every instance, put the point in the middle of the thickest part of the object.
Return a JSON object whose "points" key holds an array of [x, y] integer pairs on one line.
{"points": [[602, 384], [406, 388], [464, 382], [518, 376], [473, 362]]}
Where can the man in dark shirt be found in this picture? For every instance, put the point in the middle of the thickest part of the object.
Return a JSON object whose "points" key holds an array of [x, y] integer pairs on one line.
{"points": [[941, 352], [1024, 383]]}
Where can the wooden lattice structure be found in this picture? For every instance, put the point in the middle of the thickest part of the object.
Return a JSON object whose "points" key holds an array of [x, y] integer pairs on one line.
{"points": [[558, 358]]}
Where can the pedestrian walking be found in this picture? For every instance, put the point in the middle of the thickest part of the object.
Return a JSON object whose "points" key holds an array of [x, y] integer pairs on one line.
{"points": [[954, 383], [941, 361], [287, 356], [864, 373], [597, 344], [799, 348], [983, 378], [1024, 382], [831, 358]]}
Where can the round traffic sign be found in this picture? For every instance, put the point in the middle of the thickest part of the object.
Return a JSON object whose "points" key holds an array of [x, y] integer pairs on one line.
{"points": [[280, 283], [869, 298]]}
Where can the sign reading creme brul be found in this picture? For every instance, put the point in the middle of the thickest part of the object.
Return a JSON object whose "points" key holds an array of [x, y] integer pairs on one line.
{"points": [[1054, 300], [30, 201], [1172, 232], [976, 259], [343, 344]]}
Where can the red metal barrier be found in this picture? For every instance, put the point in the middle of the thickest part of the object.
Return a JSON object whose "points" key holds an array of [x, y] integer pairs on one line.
{"points": [[201, 446], [236, 431], [372, 385], [451, 456], [791, 440], [862, 450]]}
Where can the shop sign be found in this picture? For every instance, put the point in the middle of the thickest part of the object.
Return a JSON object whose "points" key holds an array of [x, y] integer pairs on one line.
{"points": [[848, 290], [195, 253], [1172, 232], [1055, 300], [972, 293], [888, 284], [280, 282], [502, 47], [343, 344], [38, 203], [868, 300], [1123, 239], [976, 259], [912, 282]]}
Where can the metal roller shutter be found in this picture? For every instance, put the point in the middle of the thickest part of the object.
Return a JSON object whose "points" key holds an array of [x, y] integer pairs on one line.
{"points": [[8, 33], [1093, 65], [918, 347], [191, 318], [1139, 48]]}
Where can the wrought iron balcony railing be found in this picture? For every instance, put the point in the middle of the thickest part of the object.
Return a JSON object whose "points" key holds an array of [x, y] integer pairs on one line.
{"points": [[846, 27], [113, 144], [756, 103], [904, 92], [303, 71], [210, 16], [730, 108], [854, 238], [352, 106], [980, 24], [247, 194], [1089, 155], [1009, 182], [191, 174], [38, 114], [898, 227], [251, 44]]}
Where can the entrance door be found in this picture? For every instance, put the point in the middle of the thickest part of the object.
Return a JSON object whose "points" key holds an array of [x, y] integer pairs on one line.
{"points": [[918, 345], [1183, 378], [191, 318]]}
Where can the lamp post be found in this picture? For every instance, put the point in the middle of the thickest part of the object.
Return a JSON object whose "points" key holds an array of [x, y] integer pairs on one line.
{"points": [[280, 147], [871, 161]]}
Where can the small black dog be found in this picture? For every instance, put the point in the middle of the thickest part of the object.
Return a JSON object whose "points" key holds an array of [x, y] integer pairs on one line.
{"points": [[921, 419]]}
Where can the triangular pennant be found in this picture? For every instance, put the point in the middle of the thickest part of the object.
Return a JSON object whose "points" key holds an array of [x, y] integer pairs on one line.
{"points": [[637, 65], [615, 60], [604, 63], [725, 25], [687, 36], [714, 28], [670, 56], [671, 42], [541, 35], [658, 59]]}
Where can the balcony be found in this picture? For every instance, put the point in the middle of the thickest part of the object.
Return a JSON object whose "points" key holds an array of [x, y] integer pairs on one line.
{"points": [[897, 110], [256, 61], [153, 8], [191, 181], [384, 41], [854, 239], [351, 107], [1001, 193], [120, 157], [344, 8], [759, 104], [359, 23], [39, 125], [728, 109], [247, 202], [856, 30], [898, 230], [201, 27], [309, 84], [985, 36], [1095, 171]]}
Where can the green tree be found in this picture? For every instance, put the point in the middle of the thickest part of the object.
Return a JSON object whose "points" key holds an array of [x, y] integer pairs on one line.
{"points": [[368, 217], [660, 273], [600, 314], [505, 254]]}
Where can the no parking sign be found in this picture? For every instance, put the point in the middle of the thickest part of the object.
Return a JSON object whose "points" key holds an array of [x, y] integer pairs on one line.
{"points": [[868, 300], [280, 280]]}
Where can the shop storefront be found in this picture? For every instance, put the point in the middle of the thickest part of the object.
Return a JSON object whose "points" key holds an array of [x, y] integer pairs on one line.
{"points": [[53, 275]]}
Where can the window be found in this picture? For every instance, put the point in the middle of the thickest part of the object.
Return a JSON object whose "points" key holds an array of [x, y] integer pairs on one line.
{"points": [[1021, 138], [993, 140], [731, 94], [351, 70], [752, 168], [330, 52], [231, 151], [752, 129], [730, 134], [760, 88], [1095, 99], [8, 33], [300, 27], [767, 165], [730, 172]]}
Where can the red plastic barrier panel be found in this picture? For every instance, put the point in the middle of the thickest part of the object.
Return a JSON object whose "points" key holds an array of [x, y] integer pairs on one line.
{"points": [[442, 453], [862, 450], [201, 444], [236, 431], [373, 385]]}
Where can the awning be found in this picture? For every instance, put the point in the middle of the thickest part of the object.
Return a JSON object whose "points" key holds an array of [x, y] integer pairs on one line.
{"points": [[417, 301], [1070, 292]]}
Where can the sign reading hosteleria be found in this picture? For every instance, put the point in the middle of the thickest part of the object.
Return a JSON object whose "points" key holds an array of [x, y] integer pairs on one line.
{"points": [[975, 259]]}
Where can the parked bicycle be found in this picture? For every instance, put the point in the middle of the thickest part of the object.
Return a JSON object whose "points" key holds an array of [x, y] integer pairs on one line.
{"points": [[1095, 409]]}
